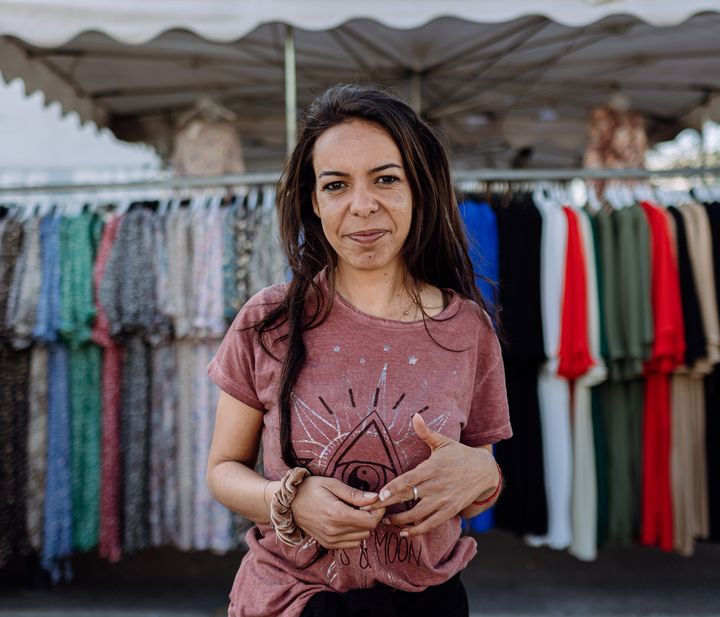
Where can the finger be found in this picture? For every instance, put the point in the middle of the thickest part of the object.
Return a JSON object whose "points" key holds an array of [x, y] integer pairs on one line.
{"points": [[429, 523], [351, 495], [400, 489], [375, 517], [432, 438], [413, 516], [344, 516]]}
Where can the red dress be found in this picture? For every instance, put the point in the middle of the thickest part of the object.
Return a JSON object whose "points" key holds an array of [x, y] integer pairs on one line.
{"points": [[111, 479], [667, 354], [575, 358]]}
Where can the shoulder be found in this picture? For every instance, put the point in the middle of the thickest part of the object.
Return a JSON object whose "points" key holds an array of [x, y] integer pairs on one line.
{"points": [[468, 309], [260, 305], [470, 318]]}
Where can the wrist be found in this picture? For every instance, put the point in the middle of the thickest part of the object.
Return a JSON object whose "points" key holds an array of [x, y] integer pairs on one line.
{"points": [[281, 516], [271, 487], [491, 494]]}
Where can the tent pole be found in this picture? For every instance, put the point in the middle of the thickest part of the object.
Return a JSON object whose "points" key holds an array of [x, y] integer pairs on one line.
{"points": [[704, 129], [415, 92], [290, 90]]}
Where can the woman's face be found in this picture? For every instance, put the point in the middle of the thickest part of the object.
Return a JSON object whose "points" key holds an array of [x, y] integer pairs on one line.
{"points": [[362, 196]]}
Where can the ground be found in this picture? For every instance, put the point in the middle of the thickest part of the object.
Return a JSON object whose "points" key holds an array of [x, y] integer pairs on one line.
{"points": [[505, 579]]}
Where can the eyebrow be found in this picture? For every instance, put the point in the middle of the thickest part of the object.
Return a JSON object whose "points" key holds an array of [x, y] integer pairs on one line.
{"points": [[344, 174]]}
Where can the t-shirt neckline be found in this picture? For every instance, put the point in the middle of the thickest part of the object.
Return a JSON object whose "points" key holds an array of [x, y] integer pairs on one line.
{"points": [[448, 311]]}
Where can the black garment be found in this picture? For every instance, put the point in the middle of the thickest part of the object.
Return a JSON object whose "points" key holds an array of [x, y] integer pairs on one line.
{"points": [[522, 508], [14, 406], [695, 342], [712, 395], [135, 440], [447, 600]]}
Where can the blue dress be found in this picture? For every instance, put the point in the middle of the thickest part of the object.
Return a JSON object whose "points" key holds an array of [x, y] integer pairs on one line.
{"points": [[482, 233]]}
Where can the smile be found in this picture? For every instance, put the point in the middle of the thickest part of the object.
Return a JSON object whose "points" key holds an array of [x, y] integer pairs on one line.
{"points": [[367, 237]]}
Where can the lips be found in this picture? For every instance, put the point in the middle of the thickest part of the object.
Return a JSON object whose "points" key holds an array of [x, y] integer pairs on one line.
{"points": [[367, 236]]}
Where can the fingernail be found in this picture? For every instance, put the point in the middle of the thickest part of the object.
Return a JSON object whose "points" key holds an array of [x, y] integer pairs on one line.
{"points": [[365, 508], [384, 494], [404, 534], [386, 521], [369, 495]]}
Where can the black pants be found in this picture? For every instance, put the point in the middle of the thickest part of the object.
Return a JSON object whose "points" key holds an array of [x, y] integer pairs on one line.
{"points": [[446, 600]]}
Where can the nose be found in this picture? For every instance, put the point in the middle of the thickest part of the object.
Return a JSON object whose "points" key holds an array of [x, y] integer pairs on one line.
{"points": [[362, 202]]}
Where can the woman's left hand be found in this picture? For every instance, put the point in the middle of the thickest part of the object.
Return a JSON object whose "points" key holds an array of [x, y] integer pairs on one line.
{"points": [[447, 482]]}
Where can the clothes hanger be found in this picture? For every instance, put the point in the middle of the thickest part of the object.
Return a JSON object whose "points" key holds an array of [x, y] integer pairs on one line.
{"points": [[253, 196], [610, 195], [269, 197], [592, 198], [628, 198], [213, 203], [541, 197], [642, 192], [124, 205]]}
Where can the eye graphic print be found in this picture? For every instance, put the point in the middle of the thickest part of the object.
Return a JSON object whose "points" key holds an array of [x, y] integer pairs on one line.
{"points": [[366, 459], [365, 476], [330, 439]]}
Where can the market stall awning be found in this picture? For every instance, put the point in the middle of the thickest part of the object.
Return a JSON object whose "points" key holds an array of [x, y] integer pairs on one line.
{"points": [[507, 82]]}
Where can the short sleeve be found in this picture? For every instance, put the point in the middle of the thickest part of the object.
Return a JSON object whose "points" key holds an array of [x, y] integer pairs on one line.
{"points": [[234, 367], [489, 418]]}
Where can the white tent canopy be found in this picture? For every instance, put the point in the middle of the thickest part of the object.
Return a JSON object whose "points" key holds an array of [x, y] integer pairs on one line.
{"points": [[505, 81]]}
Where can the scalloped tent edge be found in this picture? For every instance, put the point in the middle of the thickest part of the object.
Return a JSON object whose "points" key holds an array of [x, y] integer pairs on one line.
{"points": [[29, 30]]}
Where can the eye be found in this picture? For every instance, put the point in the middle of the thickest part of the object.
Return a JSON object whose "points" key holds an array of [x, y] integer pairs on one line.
{"points": [[388, 179], [333, 186]]}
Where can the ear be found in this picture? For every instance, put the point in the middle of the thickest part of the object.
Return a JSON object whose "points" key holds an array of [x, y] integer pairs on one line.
{"points": [[313, 198]]}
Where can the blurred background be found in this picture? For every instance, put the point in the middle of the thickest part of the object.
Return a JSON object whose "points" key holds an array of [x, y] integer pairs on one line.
{"points": [[141, 144]]}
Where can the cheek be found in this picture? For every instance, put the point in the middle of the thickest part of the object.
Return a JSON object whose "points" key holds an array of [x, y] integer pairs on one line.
{"points": [[401, 203]]}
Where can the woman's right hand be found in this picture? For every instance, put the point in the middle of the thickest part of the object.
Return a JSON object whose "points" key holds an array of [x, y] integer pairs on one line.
{"points": [[327, 510]]}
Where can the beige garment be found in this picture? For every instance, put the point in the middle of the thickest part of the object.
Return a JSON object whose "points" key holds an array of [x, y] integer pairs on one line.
{"points": [[688, 463], [184, 453], [615, 138], [206, 148], [701, 259]]}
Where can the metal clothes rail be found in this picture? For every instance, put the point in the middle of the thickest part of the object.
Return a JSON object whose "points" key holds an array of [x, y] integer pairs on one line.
{"points": [[480, 175]]}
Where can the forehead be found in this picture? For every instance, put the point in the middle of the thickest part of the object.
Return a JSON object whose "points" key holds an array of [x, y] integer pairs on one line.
{"points": [[354, 144]]}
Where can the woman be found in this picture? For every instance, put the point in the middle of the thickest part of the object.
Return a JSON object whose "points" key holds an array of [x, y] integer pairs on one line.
{"points": [[376, 368]]}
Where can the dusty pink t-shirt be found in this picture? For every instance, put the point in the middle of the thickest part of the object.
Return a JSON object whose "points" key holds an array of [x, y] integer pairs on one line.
{"points": [[363, 379]]}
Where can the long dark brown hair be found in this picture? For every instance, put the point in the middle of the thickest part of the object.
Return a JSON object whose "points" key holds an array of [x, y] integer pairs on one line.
{"points": [[435, 251]]}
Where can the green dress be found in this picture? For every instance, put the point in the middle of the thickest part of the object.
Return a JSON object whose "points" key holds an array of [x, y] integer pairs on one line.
{"points": [[79, 237]]}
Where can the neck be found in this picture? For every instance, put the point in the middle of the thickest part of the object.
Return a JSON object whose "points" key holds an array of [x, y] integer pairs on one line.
{"points": [[382, 293]]}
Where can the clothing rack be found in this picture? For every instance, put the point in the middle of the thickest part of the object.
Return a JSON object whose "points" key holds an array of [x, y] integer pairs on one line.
{"points": [[525, 175], [479, 175]]}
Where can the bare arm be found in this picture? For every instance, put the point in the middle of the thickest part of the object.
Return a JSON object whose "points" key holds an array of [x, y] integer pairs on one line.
{"points": [[231, 476], [472, 510], [325, 508]]}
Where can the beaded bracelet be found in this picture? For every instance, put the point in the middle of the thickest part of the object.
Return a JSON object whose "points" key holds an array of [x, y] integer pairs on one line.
{"points": [[496, 492], [280, 513]]}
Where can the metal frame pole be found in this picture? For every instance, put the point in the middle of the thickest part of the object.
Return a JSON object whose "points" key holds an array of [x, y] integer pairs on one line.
{"points": [[477, 175], [416, 92], [290, 89]]}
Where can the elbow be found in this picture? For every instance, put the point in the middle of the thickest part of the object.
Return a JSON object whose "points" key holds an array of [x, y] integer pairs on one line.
{"points": [[210, 478]]}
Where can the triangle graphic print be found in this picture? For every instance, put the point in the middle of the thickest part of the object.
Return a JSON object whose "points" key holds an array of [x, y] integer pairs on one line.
{"points": [[366, 459]]}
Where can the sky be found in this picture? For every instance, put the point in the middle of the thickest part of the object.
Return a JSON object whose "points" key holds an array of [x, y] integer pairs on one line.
{"points": [[38, 142]]}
